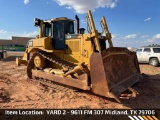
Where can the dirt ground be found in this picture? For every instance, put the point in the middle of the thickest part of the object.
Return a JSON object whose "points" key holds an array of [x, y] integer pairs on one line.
{"points": [[16, 91]]}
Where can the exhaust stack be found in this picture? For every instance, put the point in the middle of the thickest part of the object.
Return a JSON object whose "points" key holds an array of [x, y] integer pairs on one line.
{"points": [[77, 23]]}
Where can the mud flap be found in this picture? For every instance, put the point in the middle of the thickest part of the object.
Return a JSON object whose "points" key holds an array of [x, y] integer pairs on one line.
{"points": [[113, 71]]}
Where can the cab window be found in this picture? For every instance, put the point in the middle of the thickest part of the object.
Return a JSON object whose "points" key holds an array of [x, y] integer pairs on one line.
{"points": [[138, 50], [69, 27], [148, 50], [47, 30], [156, 50]]}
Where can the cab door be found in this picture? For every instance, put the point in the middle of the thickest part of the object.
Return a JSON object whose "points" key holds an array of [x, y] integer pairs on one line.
{"points": [[59, 35], [146, 55]]}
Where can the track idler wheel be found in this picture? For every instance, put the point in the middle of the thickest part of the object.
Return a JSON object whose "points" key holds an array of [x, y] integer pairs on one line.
{"points": [[39, 61]]}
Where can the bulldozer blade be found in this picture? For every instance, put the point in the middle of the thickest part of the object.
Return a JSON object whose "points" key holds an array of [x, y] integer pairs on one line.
{"points": [[113, 71]]}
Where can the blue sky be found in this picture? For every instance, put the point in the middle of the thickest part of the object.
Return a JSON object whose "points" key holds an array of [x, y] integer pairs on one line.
{"points": [[133, 23]]}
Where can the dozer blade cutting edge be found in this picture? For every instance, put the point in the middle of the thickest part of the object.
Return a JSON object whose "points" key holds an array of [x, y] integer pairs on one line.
{"points": [[113, 71]]}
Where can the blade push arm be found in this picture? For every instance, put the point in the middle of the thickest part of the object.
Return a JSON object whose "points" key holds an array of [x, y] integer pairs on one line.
{"points": [[105, 29], [92, 30]]}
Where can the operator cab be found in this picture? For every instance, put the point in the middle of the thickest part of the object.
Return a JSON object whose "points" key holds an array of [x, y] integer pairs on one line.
{"points": [[60, 27], [56, 29]]}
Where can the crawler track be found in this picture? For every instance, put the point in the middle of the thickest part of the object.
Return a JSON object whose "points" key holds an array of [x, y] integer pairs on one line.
{"points": [[52, 58], [53, 85]]}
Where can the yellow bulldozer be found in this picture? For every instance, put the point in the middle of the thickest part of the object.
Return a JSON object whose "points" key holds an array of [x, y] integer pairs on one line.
{"points": [[78, 59]]}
